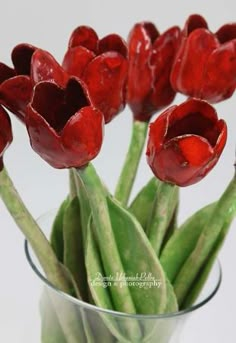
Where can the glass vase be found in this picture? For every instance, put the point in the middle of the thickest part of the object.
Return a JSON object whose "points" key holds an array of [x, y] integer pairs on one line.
{"points": [[65, 319]]}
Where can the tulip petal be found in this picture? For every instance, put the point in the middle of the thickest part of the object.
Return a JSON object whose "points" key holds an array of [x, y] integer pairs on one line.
{"points": [[164, 51], [188, 71], [76, 59], [6, 72], [181, 159], [157, 133], [105, 78], [140, 76], [84, 36], [221, 62], [83, 135], [21, 58], [194, 117], [56, 105], [15, 94], [194, 21], [5, 134], [226, 33], [43, 139], [45, 68], [112, 42], [221, 141]]}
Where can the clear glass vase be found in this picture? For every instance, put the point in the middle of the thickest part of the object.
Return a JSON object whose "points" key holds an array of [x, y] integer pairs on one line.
{"points": [[65, 319]]}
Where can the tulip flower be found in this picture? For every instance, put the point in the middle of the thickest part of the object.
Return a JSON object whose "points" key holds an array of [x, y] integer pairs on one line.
{"points": [[205, 65], [15, 84], [150, 61], [5, 134], [64, 128], [101, 64], [185, 142]]}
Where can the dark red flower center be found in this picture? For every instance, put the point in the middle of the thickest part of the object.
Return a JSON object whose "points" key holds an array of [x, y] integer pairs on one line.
{"points": [[194, 124], [58, 105]]}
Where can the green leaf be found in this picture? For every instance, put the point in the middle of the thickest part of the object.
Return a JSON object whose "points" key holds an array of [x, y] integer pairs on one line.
{"points": [[142, 205], [205, 271], [223, 210], [73, 246], [100, 292], [56, 238], [182, 243], [138, 258]]}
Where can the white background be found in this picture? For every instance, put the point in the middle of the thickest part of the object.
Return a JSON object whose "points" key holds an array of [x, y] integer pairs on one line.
{"points": [[48, 24]]}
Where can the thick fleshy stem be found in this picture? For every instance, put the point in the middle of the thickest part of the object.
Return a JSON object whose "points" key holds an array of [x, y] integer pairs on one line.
{"points": [[54, 271], [130, 167], [33, 233], [223, 210], [110, 256], [72, 183], [163, 210]]}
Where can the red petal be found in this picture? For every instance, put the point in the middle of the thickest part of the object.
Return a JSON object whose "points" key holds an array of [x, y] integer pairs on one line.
{"points": [[222, 62], [15, 94], [21, 58], [105, 78], [182, 160], [79, 137], [194, 21], [157, 132], [44, 139], [188, 70], [76, 59], [82, 136], [113, 42], [6, 72], [226, 33], [195, 117], [45, 68], [164, 51], [140, 75], [222, 138], [5, 134], [84, 36]]}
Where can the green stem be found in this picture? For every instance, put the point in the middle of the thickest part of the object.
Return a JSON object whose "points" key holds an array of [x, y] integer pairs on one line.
{"points": [[163, 210], [54, 271], [104, 234], [33, 233], [73, 191], [206, 242], [131, 163]]}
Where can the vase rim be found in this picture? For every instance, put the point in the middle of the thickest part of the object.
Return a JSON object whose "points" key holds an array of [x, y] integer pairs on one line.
{"points": [[88, 306]]}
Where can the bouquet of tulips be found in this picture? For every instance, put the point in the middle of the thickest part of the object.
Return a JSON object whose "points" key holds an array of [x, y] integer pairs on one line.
{"points": [[65, 107]]}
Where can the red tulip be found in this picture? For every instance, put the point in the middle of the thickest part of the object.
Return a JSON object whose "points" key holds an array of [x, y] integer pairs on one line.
{"points": [[64, 128], [185, 142], [101, 64], [205, 65], [5, 134], [15, 84], [150, 60]]}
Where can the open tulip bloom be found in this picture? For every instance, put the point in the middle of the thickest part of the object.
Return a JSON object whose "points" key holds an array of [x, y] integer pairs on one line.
{"points": [[64, 108]]}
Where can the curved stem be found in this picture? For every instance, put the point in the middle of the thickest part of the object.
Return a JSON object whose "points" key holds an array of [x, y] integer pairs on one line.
{"points": [[129, 170], [55, 272], [33, 233]]}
